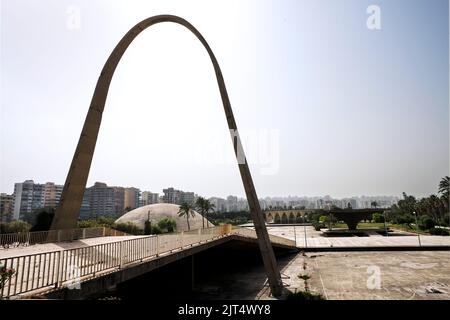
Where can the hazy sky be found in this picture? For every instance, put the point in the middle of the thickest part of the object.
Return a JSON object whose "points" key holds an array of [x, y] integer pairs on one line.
{"points": [[324, 104]]}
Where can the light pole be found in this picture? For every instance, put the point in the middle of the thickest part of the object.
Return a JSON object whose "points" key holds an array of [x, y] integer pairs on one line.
{"points": [[417, 228], [306, 243], [295, 236], [385, 227]]}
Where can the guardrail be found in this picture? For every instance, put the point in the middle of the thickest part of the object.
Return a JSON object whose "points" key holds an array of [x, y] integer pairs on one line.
{"points": [[29, 238], [55, 269]]}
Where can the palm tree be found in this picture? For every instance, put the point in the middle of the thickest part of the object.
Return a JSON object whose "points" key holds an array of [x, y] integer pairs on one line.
{"points": [[435, 207], [199, 205], [208, 207], [187, 210], [444, 190], [204, 206]]}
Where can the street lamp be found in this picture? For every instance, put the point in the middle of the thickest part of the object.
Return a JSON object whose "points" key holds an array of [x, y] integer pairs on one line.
{"points": [[295, 236], [306, 242], [417, 228], [385, 227]]}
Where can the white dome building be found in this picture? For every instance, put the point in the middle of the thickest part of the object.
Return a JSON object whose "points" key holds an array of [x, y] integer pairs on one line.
{"points": [[159, 211]]}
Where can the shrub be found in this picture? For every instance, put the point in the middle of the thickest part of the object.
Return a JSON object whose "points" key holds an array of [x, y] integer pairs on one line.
{"points": [[403, 219], [96, 222], [426, 223], [5, 275], [156, 229], [167, 225], [378, 218], [14, 226], [439, 232], [129, 227], [317, 226]]}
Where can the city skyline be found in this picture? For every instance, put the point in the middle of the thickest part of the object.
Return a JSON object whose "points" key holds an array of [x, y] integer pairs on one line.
{"points": [[161, 192], [224, 196], [357, 111], [106, 200]]}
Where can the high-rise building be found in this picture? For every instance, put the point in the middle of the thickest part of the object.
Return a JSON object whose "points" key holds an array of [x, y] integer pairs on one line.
{"points": [[148, 197], [52, 194], [30, 196], [6, 207], [131, 198], [232, 203], [220, 205], [172, 195], [23, 198], [103, 200], [187, 197]]}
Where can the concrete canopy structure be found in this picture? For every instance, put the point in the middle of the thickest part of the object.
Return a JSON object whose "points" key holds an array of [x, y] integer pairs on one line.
{"points": [[352, 217], [159, 211], [67, 213]]}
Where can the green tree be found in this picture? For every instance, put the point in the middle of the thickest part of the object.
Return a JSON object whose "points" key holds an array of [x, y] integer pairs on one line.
{"points": [[167, 225], [426, 223], [129, 227], [378, 218], [15, 226], [444, 186], [435, 208], [444, 190], [187, 210], [44, 218], [204, 207], [156, 229], [408, 204]]}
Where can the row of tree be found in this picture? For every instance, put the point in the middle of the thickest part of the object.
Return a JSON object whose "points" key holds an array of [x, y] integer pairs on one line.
{"points": [[435, 207], [202, 205]]}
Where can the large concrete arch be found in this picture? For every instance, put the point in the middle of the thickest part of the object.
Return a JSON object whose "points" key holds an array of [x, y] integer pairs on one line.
{"points": [[291, 218], [67, 213]]}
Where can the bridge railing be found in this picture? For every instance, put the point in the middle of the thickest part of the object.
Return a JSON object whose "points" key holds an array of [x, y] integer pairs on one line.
{"points": [[48, 270], [9, 240], [251, 233]]}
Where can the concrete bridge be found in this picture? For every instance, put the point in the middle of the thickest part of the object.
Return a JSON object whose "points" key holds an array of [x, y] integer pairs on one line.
{"points": [[287, 216], [43, 270]]}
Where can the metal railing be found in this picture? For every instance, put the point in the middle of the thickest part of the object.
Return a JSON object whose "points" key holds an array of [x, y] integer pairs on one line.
{"points": [[9, 240], [49, 270], [68, 267]]}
